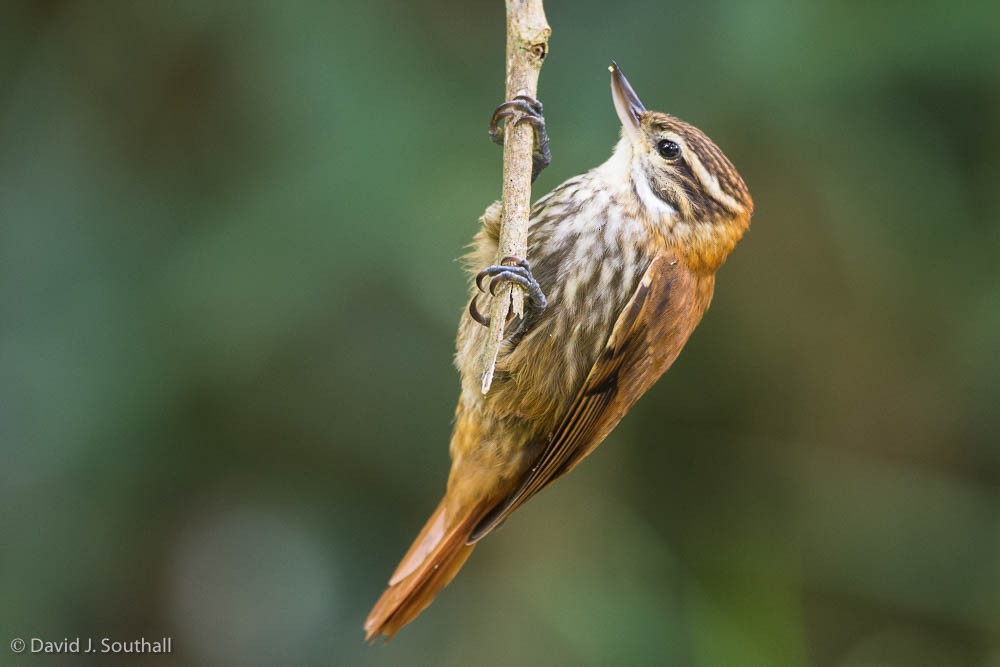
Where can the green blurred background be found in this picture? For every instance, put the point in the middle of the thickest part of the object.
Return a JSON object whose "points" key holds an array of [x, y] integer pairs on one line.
{"points": [[229, 290]]}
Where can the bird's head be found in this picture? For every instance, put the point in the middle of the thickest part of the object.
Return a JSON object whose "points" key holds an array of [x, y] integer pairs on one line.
{"points": [[679, 175]]}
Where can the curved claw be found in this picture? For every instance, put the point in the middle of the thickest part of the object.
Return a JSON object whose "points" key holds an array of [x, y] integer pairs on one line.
{"points": [[495, 282], [532, 115], [476, 315], [500, 277], [505, 110], [479, 279]]}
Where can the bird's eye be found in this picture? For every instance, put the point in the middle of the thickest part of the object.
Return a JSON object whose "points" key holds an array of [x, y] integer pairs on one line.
{"points": [[669, 150]]}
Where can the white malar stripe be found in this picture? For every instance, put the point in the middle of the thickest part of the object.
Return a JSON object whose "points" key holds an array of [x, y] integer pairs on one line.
{"points": [[649, 199]]}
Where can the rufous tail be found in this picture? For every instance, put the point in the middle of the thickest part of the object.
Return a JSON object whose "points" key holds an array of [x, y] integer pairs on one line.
{"points": [[432, 562]]}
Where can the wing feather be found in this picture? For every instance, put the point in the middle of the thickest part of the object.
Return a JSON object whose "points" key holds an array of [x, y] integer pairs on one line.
{"points": [[649, 333]]}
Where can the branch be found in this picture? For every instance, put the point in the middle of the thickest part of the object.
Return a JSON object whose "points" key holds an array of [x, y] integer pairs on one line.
{"points": [[527, 45]]}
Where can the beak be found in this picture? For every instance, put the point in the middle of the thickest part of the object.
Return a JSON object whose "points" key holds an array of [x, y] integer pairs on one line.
{"points": [[627, 103]]}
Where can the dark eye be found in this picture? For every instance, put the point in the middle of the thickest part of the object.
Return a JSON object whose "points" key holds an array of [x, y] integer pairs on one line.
{"points": [[667, 149]]}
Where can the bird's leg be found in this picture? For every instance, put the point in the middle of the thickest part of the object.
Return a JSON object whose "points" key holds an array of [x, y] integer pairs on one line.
{"points": [[529, 111], [512, 270]]}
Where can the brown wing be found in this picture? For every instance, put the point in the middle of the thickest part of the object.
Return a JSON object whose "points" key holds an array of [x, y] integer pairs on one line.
{"points": [[647, 337]]}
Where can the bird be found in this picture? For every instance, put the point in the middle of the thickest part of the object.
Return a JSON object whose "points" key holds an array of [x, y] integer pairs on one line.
{"points": [[622, 268]]}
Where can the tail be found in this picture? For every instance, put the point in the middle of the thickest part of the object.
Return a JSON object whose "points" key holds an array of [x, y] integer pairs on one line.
{"points": [[432, 562]]}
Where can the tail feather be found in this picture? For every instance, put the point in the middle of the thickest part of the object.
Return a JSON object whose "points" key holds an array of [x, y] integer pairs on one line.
{"points": [[432, 562]]}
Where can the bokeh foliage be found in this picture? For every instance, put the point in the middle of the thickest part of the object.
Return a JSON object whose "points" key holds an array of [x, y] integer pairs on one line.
{"points": [[228, 292]]}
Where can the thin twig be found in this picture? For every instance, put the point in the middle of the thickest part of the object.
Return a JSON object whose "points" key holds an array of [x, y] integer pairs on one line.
{"points": [[527, 45]]}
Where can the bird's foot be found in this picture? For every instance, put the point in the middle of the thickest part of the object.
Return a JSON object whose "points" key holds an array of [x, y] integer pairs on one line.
{"points": [[528, 110], [510, 270]]}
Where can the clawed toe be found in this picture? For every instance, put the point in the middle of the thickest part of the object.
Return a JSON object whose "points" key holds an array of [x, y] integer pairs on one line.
{"points": [[529, 108], [510, 264], [476, 315], [510, 270], [510, 277], [526, 109]]}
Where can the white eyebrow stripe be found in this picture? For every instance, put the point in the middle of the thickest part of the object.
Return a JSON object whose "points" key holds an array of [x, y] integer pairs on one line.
{"points": [[710, 182]]}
